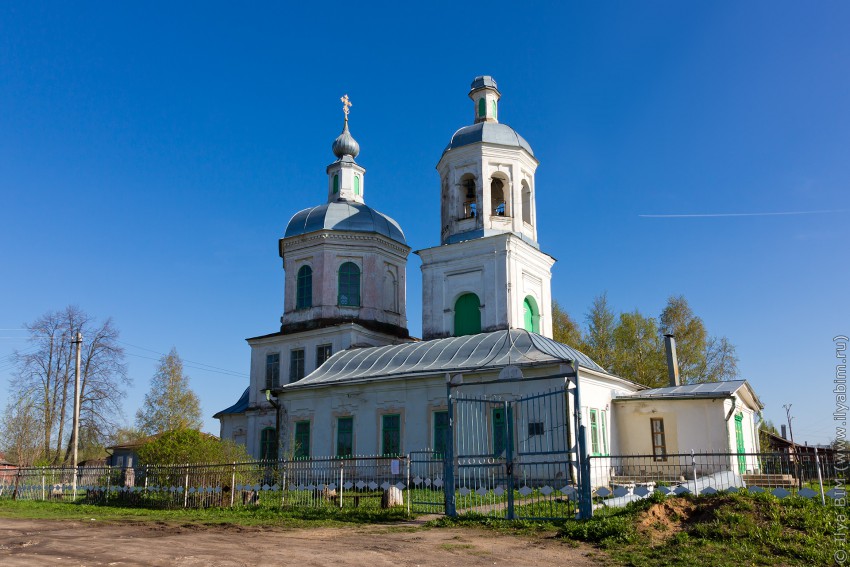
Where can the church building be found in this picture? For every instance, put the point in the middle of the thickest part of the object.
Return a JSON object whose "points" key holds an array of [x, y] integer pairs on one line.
{"points": [[344, 377]]}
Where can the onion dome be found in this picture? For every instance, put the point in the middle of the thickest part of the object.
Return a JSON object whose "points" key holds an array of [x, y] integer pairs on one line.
{"points": [[345, 144]]}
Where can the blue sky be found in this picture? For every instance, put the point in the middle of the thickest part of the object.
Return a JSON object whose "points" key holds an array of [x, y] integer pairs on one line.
{"points": [[152, 154]]}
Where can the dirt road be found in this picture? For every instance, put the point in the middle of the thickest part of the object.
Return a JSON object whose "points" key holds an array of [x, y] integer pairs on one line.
{"points": [[48, 542]]}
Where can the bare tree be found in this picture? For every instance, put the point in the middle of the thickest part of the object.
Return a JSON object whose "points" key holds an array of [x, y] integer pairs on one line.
{"points": [[44, 377]]}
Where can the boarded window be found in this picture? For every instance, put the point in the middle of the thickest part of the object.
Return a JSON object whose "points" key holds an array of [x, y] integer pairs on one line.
{"points": [[467, 315], [659, 441]]}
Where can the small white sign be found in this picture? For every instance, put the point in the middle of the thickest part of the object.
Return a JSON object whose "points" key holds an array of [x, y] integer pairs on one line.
{"points": [[394, 466]]}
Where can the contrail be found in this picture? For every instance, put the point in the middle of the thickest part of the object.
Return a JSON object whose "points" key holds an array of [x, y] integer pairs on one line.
{"points": [[714, 215]]}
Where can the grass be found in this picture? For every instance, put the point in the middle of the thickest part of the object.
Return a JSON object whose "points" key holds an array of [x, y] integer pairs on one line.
{"points": [[719, 530], [243, 516]]}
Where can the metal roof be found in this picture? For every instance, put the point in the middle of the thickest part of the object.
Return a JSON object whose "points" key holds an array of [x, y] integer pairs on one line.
{"points": [[239, 407], [490, 132], [705, 390], [345, 216], [483, 351]]}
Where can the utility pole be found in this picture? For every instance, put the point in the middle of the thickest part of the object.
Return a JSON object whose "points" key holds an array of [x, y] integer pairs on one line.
{"points": [[793, 445], [77, 341]]}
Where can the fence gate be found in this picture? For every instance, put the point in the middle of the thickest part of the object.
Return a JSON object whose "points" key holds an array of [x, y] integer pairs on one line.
{"points": [[512, 458]]}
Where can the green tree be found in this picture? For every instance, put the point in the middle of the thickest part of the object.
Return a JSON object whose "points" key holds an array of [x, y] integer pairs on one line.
{"points": [[639, 350], [170, 404], [766, 426], [191, 446], [679, 320], [564, 328], [701, 358], [599, 339]]}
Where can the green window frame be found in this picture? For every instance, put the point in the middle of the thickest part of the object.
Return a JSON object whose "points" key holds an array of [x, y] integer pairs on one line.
{"points": [[594, 432], [304, 288], [441, 431], [531, 315], [467, 315], [603, 423], [344, 436], [482, 107], [296, 364], [391, 434], [272, 371], [357, 185], [336, 183], [349, 285], [302, 440], [268, 444], [323, 352]]}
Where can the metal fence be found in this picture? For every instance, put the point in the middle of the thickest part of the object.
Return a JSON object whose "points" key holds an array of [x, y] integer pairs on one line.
{"points": [[350, 482], [617, 480]]}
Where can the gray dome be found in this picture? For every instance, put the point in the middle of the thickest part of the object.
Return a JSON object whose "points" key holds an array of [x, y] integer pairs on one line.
{"points": [[345, 144], [490, 132], [483, 81], [344, 215]]}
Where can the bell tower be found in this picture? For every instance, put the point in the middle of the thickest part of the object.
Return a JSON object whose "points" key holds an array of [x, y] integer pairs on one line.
{"points": [[489, 273]]}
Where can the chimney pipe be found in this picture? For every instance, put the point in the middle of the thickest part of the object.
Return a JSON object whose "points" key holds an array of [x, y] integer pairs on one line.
{"points": [[672, 361], [784, 431]]}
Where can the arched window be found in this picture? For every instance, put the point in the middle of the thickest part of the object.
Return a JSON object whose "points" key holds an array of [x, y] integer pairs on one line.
{"points": [[268, 444], [531, 315], [482, 107], [497, 197], [304, 288], [526, 203], [468, 197], [336, 183], [493, 106], [467, 315], [349, 285], [356, 184]]}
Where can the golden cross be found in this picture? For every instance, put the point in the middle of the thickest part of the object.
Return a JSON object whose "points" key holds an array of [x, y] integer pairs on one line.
{"points": [[346, 104]]}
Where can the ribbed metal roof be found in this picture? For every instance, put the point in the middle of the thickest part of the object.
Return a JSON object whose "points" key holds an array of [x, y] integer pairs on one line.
{"points": [[345, 216], [238, 407], [457, 354], [490, 132], [706, 390]]}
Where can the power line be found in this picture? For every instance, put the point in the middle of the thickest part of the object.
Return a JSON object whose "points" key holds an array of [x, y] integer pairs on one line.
{"points": [[225, 372], [183, 359]]}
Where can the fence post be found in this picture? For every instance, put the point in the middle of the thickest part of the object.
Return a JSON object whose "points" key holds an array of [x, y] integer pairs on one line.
{"points": [[694, 470], [509, 457], [283, 487], [42, 484], [448, 458], [408, 484], [186, 488], [820, 477], [232, 484], [341, 468]]}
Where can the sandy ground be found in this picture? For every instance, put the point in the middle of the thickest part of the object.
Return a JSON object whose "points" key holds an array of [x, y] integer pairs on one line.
{"points": [[49, 542]]}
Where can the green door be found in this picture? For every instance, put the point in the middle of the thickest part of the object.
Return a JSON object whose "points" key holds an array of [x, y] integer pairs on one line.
{"points": [[500, 433], [739, 439]]}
